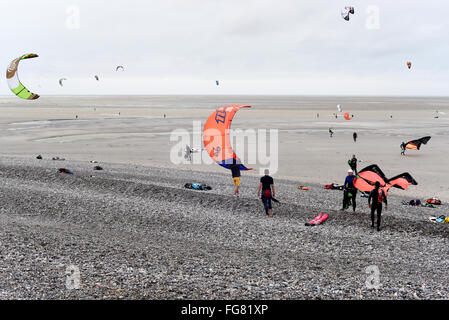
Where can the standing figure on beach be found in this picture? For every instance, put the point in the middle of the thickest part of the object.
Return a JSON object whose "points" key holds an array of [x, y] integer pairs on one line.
{"points": [[354, 136], [266, 185], [349, 191], [331, 133], [403, 148], [353, 164], [235, 170], [377, 196]]}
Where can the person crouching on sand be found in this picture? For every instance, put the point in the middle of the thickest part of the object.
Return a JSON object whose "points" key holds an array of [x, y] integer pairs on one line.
{"points": [[266, 185], [235, 170]]}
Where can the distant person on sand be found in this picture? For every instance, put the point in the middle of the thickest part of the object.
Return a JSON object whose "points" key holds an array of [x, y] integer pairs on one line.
{"points": [[331, 133], [403, 148], [235, 170], [266, 185], [349, 191], [353, 163], [354, 136], [377, 196], [164, 115]]}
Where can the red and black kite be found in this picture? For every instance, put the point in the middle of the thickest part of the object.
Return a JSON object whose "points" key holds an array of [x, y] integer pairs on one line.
{"points": [[416, 144], [367, 177]]}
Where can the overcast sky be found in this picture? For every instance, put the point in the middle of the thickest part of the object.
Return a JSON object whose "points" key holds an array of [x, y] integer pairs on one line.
{"points": [[250, 46]]}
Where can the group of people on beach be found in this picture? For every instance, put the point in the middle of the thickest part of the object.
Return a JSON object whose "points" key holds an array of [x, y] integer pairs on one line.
{"points": [[266, 191], [375, 199]]}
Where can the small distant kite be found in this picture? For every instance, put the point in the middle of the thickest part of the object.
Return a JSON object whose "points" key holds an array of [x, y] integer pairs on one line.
{"points": [[346, 11], [339, 108], [119, 67], [96, 77], [14, 83], [347, 117], [61, 80], [409, 64], [217, 82]]}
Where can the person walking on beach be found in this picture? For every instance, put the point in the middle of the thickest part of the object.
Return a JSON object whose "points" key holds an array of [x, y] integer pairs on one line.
{"points": [[349, 191], [377, 196], [235, 170], [331, 133], [353, 164], [354, 136], [403, 148], [266, 185]]}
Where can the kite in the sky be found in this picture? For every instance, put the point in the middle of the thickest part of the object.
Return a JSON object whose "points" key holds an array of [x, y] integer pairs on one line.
{"points": [[119, 67], [414, 144], [96, 77], [217, 82], [346, 11], [61, 80], [14, 83], [216, 137], [347, 117], [367, 177], [409, 64]]}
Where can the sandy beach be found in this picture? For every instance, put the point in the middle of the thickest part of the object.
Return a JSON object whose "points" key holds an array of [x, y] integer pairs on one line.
{"points": [[134, 231]]}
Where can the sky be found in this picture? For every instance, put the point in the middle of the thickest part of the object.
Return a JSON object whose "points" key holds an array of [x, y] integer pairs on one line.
{"points": [[251, 46]]}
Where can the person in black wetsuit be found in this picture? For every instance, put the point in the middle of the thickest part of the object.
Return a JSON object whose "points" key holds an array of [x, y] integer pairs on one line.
{"points": [[235, 170], [403, 148], [353, 164], [354, 136], [377, 196], [266, 185], [349, 191]]}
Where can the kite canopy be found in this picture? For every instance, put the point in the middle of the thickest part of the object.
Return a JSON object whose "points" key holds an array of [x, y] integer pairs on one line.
{"points": [[347, 117], [416, 144], [96, 77], [346, 11], [216, 136], [14, 83], [409, 64], [61, 80], [367, 177], [339, 108], [119, 67], [216, 82]]}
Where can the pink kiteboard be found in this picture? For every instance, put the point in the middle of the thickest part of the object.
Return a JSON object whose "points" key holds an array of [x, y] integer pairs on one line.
{"points": [[312, 222], [318, 220]]}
